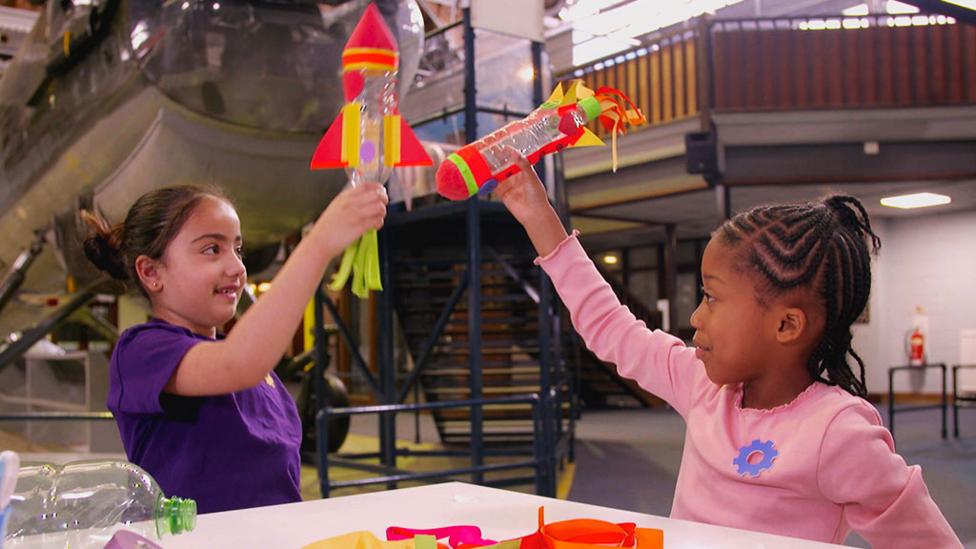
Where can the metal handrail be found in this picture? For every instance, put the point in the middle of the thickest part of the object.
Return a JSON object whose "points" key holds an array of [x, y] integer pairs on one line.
{"points": [[540, 462]]}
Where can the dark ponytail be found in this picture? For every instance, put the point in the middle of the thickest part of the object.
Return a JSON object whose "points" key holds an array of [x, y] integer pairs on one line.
{"points": [[852, 215], [152, 222], [822, 246], [103, 246]]}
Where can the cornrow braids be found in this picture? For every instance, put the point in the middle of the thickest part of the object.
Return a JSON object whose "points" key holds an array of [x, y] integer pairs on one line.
{"points": [[822, 246]]}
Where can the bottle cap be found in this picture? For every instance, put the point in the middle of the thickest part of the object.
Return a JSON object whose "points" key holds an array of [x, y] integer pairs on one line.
{"points": [[175, 516], [590, 106]]}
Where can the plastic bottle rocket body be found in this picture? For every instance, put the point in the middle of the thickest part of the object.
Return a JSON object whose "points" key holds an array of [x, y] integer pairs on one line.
{"points": [[377, 109], [84, 503], [558, 123]]}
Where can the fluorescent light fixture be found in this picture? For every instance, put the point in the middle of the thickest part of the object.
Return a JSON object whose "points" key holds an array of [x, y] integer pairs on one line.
{"points": [[897, 8], [605, 27], [971, 4], [917, 200], [860, 9]]}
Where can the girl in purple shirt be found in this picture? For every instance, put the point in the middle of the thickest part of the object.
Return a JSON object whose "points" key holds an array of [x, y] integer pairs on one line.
{"points": [[204, 414]]}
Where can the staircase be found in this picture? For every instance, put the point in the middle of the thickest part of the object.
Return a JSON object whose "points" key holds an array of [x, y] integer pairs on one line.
{"points": [[430, 255]]}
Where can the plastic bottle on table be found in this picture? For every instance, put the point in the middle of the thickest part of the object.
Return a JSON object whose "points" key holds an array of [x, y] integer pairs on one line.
{"points": [[83, 503], [9, 465]]}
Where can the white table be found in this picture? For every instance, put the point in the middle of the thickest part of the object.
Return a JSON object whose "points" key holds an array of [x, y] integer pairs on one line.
{"points": [[500, 514]]}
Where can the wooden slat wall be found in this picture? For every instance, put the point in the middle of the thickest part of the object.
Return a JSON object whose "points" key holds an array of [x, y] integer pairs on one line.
{"points": [[916, 66], [783, 69], [662, 83], [968, 63]]}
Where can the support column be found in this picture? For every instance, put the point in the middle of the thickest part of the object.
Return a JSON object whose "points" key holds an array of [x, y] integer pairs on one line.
{"points": [[670, 248], [387, 364], [474, 258], [723, 201]]}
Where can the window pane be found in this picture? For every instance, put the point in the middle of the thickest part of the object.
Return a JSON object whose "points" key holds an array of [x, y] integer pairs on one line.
{"points": [[504, 71], [686, 252], [643, 257], [643, 285]]}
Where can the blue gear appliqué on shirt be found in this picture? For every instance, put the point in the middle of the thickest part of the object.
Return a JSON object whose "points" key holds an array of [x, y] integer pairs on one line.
{"points": [[768, 452]]}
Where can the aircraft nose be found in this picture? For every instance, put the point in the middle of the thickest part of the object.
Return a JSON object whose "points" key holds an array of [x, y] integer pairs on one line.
{"points": [[265, 66]]}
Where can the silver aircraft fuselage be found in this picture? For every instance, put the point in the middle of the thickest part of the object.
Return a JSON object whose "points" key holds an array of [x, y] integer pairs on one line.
{"points": [[112, 99]]}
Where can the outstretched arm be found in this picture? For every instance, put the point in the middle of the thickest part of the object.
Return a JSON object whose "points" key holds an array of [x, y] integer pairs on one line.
{"points": [[659, 362]]}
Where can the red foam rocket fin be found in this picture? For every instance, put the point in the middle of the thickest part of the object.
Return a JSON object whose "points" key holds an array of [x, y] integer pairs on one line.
{"points": [[412, 153], [328, 154]]}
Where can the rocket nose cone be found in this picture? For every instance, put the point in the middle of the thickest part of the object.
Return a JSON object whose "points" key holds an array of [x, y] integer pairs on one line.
{"points": [[450, 182], [372, 31]]}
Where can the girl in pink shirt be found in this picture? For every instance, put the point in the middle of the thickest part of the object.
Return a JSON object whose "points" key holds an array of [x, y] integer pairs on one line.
{"points": [[779, 436]]}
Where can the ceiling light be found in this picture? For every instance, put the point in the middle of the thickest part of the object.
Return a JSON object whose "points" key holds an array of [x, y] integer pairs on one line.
{"points": [[917, 200], [860, 9], [610, 259], [896, 8]]}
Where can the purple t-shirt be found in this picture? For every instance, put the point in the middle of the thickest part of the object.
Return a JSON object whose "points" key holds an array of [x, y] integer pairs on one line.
{"points": [[226, 452]]}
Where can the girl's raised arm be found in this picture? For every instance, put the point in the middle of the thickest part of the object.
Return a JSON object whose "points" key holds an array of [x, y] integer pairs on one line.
{"points": [[659, 362], [259, 339]]}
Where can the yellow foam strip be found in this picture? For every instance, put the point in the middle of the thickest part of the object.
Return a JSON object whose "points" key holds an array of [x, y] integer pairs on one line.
{"points": [[391, 139], [350, 134]]}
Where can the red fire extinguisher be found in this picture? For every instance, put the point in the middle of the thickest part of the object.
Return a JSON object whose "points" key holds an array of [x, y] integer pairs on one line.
{"points": [[916, 355]]}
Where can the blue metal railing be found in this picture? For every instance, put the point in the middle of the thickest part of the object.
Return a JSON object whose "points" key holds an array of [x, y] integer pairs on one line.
{"points": [[542, 462]]}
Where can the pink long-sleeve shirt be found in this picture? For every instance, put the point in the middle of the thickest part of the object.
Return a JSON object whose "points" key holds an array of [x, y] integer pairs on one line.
{"points": [[821, 465]]}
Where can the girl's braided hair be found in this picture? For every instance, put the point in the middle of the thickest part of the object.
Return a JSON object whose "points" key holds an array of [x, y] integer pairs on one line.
{"points": [[822, 246]]}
